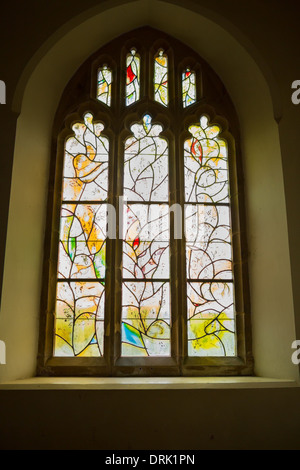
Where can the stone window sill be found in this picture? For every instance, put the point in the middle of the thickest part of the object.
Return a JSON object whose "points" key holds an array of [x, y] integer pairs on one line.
{"points": [[153, 383]]}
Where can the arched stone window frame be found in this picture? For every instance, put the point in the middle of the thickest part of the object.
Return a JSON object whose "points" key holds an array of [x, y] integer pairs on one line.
{"points": [[213, 101], [255, 92]]}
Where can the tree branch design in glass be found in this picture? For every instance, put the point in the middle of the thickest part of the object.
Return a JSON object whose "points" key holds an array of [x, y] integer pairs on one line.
{"points": [[79, 324], [210, 287], [146, 163], [146, 318]]}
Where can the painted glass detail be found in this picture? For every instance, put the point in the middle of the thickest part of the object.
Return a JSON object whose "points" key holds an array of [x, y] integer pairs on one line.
{"points": [[210, 286], [133, 64], [161, 80], [79, 315], [146, 315]]}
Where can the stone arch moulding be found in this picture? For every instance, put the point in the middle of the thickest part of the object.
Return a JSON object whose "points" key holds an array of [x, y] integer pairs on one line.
{"points": [[249, 91], [147, 9], [148, 41]]}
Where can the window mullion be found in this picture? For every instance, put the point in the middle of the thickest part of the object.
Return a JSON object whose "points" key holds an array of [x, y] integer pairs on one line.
{"points": [[116, 287], [175, 272], [176, 87]]}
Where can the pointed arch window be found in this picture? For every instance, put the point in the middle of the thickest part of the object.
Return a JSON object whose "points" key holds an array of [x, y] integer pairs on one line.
{"points": [[189, 92], [146, 274], [132, 77], [104, 85], [161, 78]]}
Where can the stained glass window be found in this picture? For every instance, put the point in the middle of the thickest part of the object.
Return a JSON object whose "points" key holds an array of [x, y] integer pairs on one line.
{"points": [[104, 85], [79, 324], [132, 78], [188, 88], [210, 290], [161, 80], [146, 315], [163, 292]]}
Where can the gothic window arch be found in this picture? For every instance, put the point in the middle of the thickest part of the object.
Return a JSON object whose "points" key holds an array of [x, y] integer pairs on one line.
{"points": [[145, 253]]}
